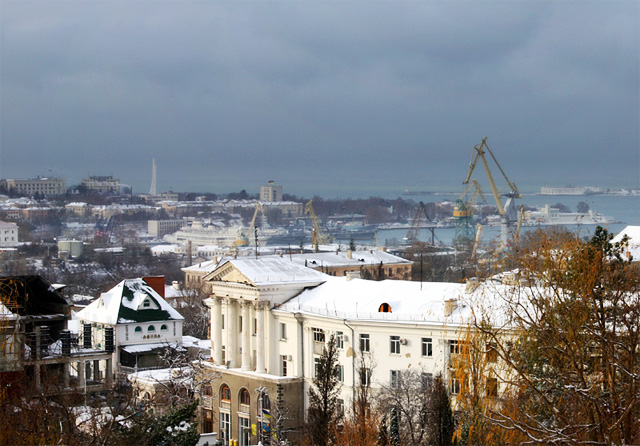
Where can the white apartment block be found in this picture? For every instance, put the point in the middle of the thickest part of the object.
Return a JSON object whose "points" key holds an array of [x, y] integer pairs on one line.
{"points": [[8, 235], [101, 184], [271, 318], [44, 186], [271, 192]]}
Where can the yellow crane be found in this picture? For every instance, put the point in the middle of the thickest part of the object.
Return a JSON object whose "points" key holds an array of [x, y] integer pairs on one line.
{"points": [[507, 210], [463, 213], [317, 236], [243, 238]]}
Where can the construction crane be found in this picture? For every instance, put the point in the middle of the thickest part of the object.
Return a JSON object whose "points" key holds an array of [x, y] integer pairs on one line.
{"points": [[317, 236], [243, 238], [463, 212], [413, 234], [507, 210]]}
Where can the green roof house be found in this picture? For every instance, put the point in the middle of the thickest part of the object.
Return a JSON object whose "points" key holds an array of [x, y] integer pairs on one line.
{"points": [[145, 325]]}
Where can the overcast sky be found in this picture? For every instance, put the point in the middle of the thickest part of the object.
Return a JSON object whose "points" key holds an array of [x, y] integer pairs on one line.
{"points": [[322, 96]]}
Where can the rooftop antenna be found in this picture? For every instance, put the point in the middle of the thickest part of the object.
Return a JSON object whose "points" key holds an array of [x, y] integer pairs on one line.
{"points": [[153, 190], [256, 235]]}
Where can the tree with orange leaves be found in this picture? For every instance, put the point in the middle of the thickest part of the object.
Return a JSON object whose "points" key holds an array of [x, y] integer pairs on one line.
{"points": [[567, 362]]}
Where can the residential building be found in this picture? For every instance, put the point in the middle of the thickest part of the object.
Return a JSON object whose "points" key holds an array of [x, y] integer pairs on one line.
{"points": [[271, 192], [271, 318], [39, 352], [159, 228], [8, 235], [44, 186], [101, 184], [143, 323]]}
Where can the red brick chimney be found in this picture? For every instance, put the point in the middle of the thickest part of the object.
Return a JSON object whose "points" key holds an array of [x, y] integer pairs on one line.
{"points": [[157, 283]]}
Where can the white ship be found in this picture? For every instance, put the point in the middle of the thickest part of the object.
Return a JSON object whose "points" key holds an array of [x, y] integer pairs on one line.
{"points": [[552, 216]]}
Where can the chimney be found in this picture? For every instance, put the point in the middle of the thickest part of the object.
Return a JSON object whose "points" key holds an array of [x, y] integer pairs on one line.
{"points": [[449, 306], [349, 254], [157, 283]]}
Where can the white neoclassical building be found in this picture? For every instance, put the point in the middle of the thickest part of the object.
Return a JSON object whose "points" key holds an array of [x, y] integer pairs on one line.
{"points": [[270, 319]]}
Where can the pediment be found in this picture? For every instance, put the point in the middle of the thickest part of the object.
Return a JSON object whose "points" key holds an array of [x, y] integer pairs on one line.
{"points": [[228, 273]]}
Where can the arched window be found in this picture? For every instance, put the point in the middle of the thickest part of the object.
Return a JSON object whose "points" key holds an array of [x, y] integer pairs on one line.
{"points": [[151, 328], [163, 328], [245, 398], [384, 308], [138, 330], [225, 393]]}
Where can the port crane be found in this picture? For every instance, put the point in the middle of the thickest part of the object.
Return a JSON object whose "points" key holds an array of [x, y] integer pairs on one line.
{"points": [[507, 211], [317, 236], [243, 238], [413, 234], [463, 212]]}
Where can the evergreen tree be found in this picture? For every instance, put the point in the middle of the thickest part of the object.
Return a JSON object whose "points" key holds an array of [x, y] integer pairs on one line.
{"points": [[383, 434], [323, 396], [439, 407]]}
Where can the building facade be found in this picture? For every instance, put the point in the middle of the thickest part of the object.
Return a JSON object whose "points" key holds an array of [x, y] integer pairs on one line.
{"points": [[271, 318], [101, 184], [8, 235], [271, 192], [43, 186]]}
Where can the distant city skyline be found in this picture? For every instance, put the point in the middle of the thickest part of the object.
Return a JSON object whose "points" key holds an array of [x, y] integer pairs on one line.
{"points": [[333, 99]]}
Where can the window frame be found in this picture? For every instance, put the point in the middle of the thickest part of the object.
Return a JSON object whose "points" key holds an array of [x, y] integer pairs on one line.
{"points": [[394, 344], [365, 342], [427, 347]]}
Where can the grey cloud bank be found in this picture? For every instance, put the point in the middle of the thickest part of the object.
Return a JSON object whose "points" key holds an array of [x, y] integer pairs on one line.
{"points": [[322, 96]]}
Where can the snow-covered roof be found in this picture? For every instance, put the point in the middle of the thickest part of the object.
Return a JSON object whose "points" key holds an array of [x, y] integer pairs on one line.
{"points": [[633, 232], [273, 270], [368, 257], [361, 299], [131, 301], [207, 266]]}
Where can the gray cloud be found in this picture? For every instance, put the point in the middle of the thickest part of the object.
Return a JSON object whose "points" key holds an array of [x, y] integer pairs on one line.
{"points": [[319, 95]]}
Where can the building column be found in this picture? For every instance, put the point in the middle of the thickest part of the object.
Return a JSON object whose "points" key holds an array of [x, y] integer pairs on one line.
{"points": [[246, 336], [216, 330], [260, 336], [231, 333], [82, 379]]}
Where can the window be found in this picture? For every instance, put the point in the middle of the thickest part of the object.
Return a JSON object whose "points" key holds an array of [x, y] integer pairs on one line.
{"points": [[255, 327], [364, 343], [492, 353], [225, 393], [146, 303], [395, 344], [244, 431], [340, 373], [283, 365], [454, 347], [207, 390], [245, 400], [239, 324], [207, 425], [365, 376], [384, 308], [427, 347], [316, 366], [222, 322], [426, 380], [225, 427], [151, 328], [163, 327], [138, 330], [266, 404], [454, 386], [224, 354], [492, 387], [340, 407], [339, 339], [395, 378], [283, 332], [318, 335]]}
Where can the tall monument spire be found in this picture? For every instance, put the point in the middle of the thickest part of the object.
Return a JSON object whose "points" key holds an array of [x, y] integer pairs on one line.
{"points": [[153, 190]]}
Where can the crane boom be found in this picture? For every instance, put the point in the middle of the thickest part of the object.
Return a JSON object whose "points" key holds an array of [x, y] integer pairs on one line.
{"points": [[479, 153]]}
